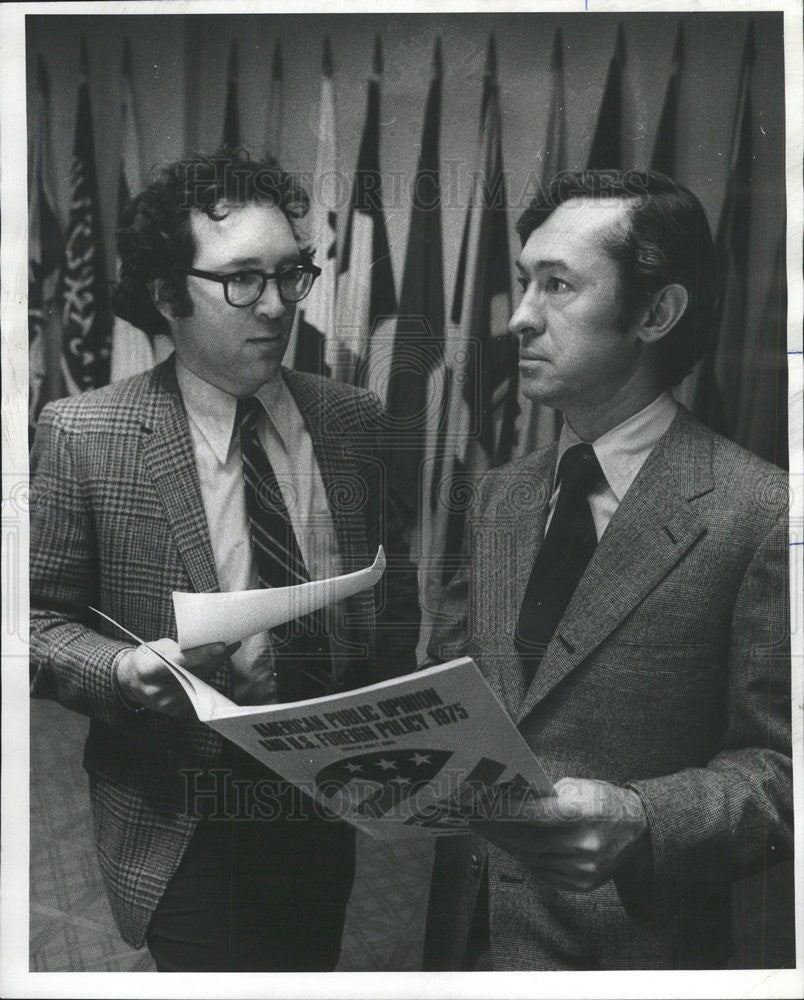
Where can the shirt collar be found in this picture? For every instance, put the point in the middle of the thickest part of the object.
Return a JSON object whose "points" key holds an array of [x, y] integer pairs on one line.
{"points": [[622, 450], [213, 411], [279, 404]]}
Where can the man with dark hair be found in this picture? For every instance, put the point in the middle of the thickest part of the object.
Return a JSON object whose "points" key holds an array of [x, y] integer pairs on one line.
{"points": [[218, 469], [627, 598]]}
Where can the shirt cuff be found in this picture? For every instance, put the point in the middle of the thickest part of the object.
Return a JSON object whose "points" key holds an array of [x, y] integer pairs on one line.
{"points": [[133, 708]]}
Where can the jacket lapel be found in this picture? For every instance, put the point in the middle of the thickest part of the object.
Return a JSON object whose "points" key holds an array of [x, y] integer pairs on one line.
{"points": [[168, 455], [652, 529], [337, 464], [519, 512]]}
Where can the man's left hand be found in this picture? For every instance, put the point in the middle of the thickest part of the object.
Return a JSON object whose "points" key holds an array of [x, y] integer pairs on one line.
{"points": [[576, 839]]}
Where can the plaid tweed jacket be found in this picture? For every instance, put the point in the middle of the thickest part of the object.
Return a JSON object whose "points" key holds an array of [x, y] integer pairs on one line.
{"points": [[117, 522], [670, 672]]}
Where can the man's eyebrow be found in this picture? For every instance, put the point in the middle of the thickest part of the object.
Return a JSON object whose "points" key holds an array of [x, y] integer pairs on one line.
{"points": [[545, 265], [255, 262]]}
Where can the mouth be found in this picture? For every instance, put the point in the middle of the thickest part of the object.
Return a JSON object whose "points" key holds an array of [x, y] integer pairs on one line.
{"points": [[268, 339]]}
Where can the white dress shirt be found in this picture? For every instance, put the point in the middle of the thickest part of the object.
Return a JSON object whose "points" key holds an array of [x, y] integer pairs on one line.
{"points": [[289, 447], [622, 452]]}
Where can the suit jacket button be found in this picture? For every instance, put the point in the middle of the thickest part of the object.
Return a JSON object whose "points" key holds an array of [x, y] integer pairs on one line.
{"points": [[475, 864]]}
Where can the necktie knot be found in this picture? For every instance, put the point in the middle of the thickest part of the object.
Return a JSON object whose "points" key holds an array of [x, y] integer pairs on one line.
{"points": [[248, 411], [579, 470]]}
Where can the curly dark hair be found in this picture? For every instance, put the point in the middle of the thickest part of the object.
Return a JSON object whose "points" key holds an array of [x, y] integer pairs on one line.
{"points": [[664, 240], [155, 235]]}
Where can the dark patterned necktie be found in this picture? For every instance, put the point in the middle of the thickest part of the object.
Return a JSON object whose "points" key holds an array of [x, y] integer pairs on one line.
{"points": [[560, 563], [302, 660]]}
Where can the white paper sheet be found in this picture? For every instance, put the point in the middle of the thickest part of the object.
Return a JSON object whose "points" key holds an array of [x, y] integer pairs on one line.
{"points": [[230, 617]]}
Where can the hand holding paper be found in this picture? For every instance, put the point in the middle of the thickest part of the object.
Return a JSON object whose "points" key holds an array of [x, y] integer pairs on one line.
{"points": [[231, 617]]}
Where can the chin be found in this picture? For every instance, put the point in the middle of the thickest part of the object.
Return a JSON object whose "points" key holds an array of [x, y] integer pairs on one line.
{"points": [[535, 389]]}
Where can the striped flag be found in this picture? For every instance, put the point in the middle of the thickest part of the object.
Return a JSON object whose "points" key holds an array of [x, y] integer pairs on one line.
{"points": [[542, 424], [84, 294], [483, 380], [665, 153], [483, 307], [231, 115], [316, 323], [45, 248], [275, 105], [366, 294], [132, 351], [606, 151], [718, 399], [418, 347]]}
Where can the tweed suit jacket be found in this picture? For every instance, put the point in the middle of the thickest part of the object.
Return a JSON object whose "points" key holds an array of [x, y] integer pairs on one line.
{"points": [[669, 673], [117, 522]]}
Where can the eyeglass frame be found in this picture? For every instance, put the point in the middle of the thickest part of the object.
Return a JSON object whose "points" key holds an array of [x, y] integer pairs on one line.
{"points": [[306, 265]]}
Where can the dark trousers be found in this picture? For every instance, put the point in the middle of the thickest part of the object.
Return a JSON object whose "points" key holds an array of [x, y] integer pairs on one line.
{"points": [[257, 894]]}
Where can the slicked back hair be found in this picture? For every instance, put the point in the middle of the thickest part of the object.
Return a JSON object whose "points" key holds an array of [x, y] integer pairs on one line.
{"points": [[664, 239]]}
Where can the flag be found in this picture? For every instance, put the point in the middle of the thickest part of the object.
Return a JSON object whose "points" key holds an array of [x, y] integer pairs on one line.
{"points": [[762, 426], [484, 308], [316, 323], [231, 115], [606, 151], [275, 104], [418, 347], [483, 380], [132, 351], [664, 157], [542, 424], [366, 294], [717, 398], [84, 294], [45, 248], [555, 147]]}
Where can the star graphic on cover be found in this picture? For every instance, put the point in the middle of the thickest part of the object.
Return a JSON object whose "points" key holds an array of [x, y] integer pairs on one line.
{"points": [[376, 782]]}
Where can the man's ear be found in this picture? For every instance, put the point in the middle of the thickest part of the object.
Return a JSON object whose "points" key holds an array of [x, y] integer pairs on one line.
{"points": [[665, 310], [162, 299]]}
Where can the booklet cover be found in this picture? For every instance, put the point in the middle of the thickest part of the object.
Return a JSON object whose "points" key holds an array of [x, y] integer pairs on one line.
{"points": [[418, 754]]}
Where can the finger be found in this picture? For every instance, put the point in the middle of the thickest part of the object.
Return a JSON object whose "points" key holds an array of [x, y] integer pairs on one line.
{"points": [[560, 880], [544, 811], [198, 655], [563, 873], [173, 703], [511, 837], [206, 669]]}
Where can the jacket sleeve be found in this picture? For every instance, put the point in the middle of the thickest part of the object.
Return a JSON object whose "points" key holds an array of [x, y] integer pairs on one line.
{"points": [[70, 662], [737, 811]]}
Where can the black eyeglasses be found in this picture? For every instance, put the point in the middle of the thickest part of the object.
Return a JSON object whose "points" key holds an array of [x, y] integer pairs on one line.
{"points": [[244, 288]]}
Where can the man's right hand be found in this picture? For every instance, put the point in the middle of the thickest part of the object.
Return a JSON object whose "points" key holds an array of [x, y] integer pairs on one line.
{"points": [[146, 681]]}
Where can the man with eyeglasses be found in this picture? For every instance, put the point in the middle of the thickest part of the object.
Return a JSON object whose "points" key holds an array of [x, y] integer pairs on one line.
{"points": [[218, 469]]}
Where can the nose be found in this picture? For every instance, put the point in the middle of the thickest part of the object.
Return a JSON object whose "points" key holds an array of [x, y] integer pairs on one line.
{"points": [[528, 319], [269, 304]]}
